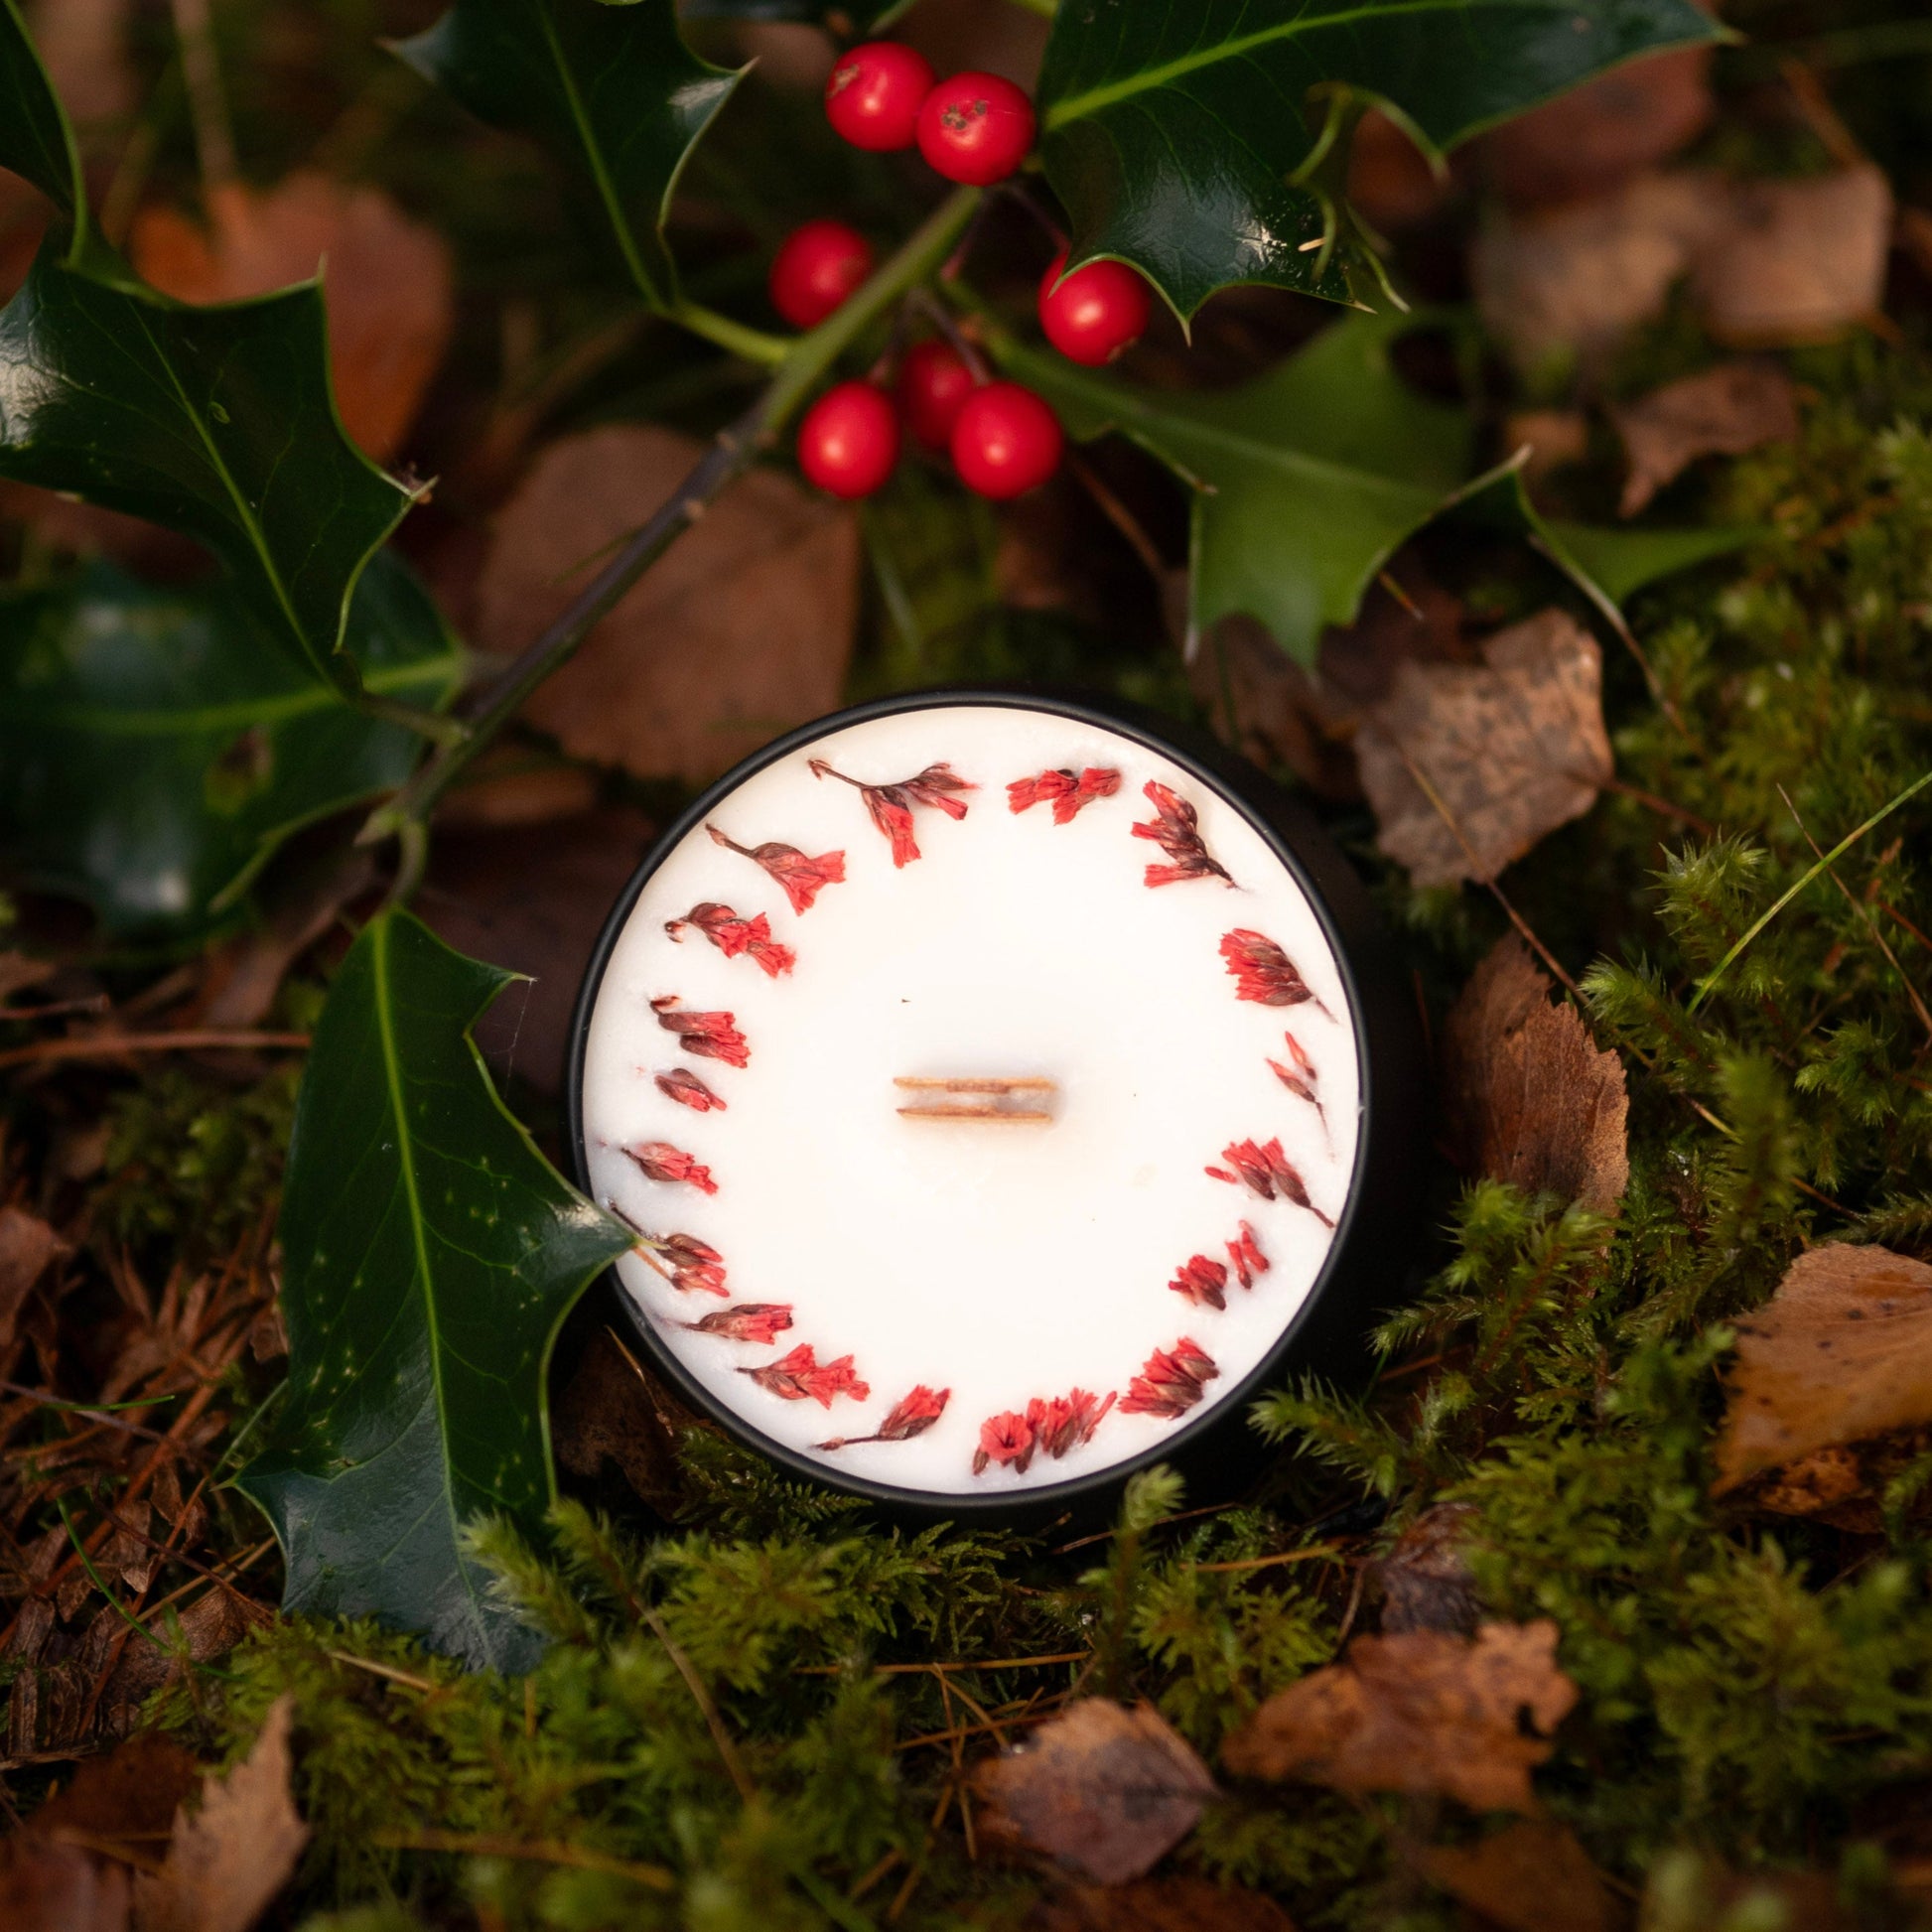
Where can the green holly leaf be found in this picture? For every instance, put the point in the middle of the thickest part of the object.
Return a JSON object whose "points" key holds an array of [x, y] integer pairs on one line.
{"points": [[429, 1255], [36, 140], [1307, 480], [607, 86], [154, 755], [1306, 483], [216, 422], [1176, 135]]}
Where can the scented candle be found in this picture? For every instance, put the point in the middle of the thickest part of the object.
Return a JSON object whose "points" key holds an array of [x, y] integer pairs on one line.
{"points": [[985, 1079]]}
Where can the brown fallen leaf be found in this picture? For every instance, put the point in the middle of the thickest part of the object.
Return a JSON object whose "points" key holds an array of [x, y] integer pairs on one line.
{"points": [[742, 632], [28, 1248], [1467, 767], [1721, 411], [245, 974], [59, 1888], [1531, 1876], [226, 1863], [389, 282], [1176, 1904], [1281, 714], [83, 47], [1573, 281], [1797, 261], [19, 971], [610, 1409], [1424, 1580], [1554, 438], [1390, 178], [1530, 1097], [1843, 1351], [533, 899], [1421, 1711], [1596, 137], [128, 1796], [1106, 1791]]}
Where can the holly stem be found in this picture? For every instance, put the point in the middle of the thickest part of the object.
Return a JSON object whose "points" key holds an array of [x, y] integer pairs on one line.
{"points": [[753, 344], [732, 450]]}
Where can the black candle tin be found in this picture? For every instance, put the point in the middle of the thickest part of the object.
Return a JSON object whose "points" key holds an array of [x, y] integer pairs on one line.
{"points": [[1373, 1242]]}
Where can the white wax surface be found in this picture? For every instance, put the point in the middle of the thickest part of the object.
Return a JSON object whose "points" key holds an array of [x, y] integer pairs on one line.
{"points": [[1000, 1263]]}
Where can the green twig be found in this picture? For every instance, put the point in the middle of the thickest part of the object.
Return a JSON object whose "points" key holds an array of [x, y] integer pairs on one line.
{"points": [[1784, 898], [754, 345], [94, 1576], [436, 725], [734, 449]]}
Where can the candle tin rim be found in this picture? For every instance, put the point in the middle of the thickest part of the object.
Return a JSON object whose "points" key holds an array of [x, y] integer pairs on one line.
{"points": [[1258, 799]]}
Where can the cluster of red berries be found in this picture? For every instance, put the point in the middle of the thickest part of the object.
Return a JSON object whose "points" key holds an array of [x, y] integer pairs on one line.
{"points": [[1003, 440]]}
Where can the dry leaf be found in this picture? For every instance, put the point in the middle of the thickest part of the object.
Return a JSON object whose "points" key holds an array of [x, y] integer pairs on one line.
{"points": [[224, 1864], [390, 283], [1421, 1711], [1576, 280], [1554, 438], [1596, 137], [533, 899], [611, 1410], [1530, 1097], [131, 1794], [1797, 261], [740, 633], [28, 1248], [59, 1888], [1390, 178], [1107, 1791], [1157, 1905], [1468, 766], [1425, 1581], [1841, 1352], [1721, 411], [19, 971], [532, 796], [83, 47], [1533, 1876], [245, 974]]}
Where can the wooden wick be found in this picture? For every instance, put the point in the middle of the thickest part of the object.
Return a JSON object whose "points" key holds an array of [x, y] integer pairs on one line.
{"points": [[997, 1089]]}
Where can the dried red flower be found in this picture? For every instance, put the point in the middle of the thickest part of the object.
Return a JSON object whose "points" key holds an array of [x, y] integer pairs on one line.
{"points": [[1263, 972], [1300, 1078], [710, 1035], [913, 1416], [1269, 1172], [801, 1376], [1063, 1423], [682, 1258], [732, 935], [890, 806], [688, 1091], [1203, 1281], [1246, 1258], [760, 1321], [1175, 830], [1170, 1383], [661, 1160], [1066, 790], [1005, 1439], [804, 879]]}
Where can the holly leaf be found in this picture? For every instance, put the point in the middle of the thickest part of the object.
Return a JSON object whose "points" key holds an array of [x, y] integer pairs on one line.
{"points": [[1307, 480], [153, 755], [1177, 136], [610, 88], [36, 140], [217, 422], [430, 1255]]}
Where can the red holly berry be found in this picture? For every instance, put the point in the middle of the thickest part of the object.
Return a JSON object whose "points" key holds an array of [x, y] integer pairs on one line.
{"points": [[1006, 441], [933, 385], [849, 439], [1093, 315], [976, 128], [874, 95], [816, 268]]}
